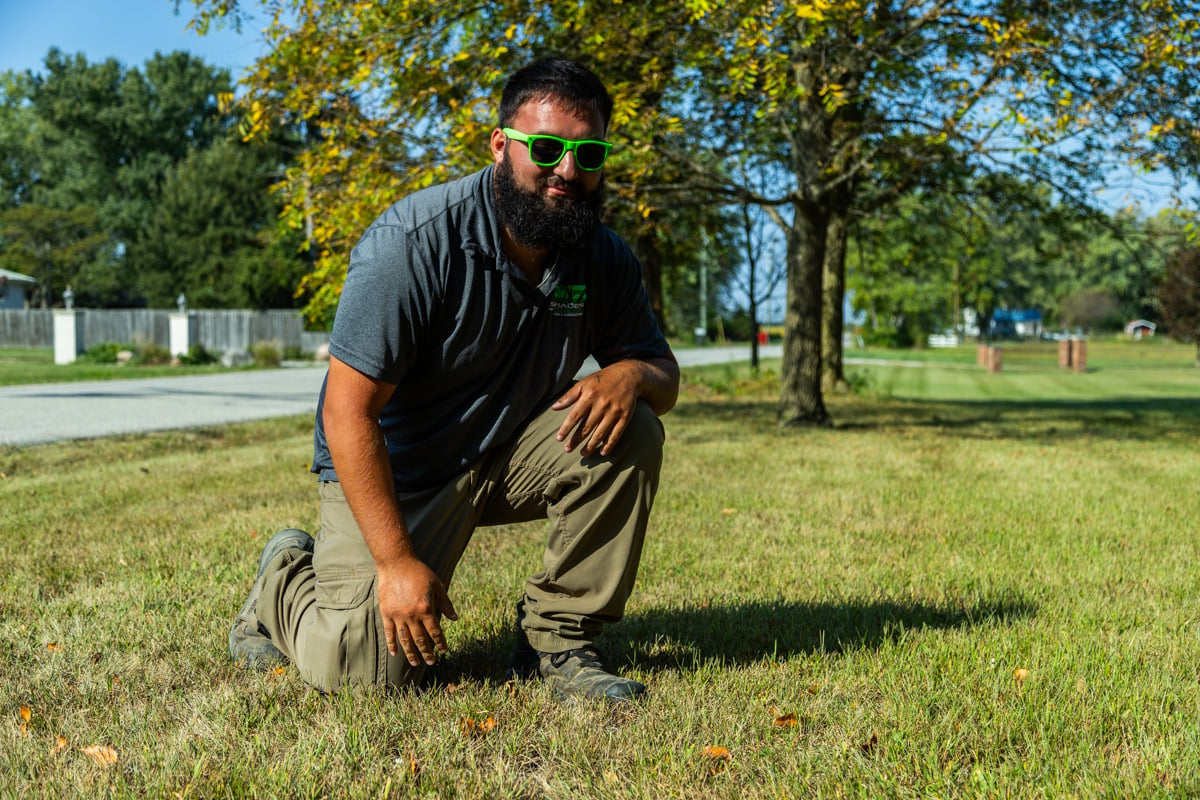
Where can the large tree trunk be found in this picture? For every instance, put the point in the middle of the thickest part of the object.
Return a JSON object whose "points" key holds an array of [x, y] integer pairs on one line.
{"points": [[833, 373], [649, 254], [800, 399]]}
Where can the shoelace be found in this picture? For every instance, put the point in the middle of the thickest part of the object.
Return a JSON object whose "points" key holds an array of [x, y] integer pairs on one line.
{"points": [[588, 657]]}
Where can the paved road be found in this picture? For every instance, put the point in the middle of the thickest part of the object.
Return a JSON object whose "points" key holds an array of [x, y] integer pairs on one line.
{"points": [[52, 412]]}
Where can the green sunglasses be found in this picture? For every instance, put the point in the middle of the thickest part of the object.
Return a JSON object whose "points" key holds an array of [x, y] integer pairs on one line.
{"points": [[547, 151]]}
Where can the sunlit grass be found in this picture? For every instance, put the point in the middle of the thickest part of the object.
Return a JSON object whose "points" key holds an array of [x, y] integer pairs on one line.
{"points": [[883, 581]]}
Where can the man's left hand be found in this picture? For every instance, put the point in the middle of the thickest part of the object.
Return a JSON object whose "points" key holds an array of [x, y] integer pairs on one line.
{"points": [[601, 406]]}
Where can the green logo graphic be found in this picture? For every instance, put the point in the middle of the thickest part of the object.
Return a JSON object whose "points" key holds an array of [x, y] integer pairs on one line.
{"points": [[568, 301]]}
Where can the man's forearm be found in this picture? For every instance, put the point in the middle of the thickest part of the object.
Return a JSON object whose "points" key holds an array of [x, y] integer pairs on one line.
{"points": [[658, 385], [365, 473]]}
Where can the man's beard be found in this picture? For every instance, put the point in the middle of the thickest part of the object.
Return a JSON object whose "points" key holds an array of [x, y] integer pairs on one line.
{"points": [[535, 221]]}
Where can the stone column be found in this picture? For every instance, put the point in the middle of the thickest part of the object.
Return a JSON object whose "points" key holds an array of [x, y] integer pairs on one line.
{"points": [[68, 335], [993, 364], [182, 328]]}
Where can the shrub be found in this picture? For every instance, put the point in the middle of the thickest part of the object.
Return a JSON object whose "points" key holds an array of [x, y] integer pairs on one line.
{"points": [[103, 352], [150, 354], [266, 354], [293, 352], [198, 356]]}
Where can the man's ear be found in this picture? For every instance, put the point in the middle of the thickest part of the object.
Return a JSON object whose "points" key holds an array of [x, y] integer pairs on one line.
{"points": [[498, 142]]}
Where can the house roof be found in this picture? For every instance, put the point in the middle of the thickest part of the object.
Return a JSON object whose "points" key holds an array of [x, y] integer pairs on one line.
{"points": [[16, 278], [1139, 323]]}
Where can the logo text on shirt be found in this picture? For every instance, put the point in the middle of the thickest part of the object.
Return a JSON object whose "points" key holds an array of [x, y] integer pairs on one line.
{"points": [[568, 301]]}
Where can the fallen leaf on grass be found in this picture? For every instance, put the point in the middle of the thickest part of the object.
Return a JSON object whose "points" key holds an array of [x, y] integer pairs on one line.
{"points": [[60, 744], [1020, 674], [718, 758], [281, 670], [472, 727], [868, 746], [101, 754], [26, 714], [24, 728], [786, 721], [413, 766], [728, 511], [54, 647]]}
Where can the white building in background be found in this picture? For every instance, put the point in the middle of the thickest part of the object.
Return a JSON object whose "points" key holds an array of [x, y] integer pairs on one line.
{"points": [[15, 289]]}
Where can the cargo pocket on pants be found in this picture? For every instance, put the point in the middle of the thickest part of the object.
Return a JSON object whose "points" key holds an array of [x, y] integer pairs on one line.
{"points": [[351, 617]]}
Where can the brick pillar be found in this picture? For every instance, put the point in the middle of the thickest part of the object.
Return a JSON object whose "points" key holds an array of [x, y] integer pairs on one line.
{"points": [[1079, 355], [993, 359], [982, 355], [1064, 353]]}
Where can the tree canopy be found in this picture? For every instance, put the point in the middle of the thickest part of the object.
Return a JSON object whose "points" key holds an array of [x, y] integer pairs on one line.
{"points": [[846, 106], [146, 163]]}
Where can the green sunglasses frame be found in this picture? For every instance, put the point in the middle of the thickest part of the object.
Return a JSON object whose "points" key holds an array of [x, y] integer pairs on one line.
{"points": [[568, 146]]}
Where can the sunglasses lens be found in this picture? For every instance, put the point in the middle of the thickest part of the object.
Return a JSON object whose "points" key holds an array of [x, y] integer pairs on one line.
{"points": [[545, 152], [590, 156]]}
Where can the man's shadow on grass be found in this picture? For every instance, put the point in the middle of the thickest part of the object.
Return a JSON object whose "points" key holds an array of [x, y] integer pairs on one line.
{"points": [[735, 634]]}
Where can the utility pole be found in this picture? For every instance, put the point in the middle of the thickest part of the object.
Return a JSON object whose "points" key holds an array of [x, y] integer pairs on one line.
{"points": [[702, 331]]}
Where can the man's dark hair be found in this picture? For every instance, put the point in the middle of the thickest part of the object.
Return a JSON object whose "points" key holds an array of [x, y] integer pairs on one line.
{"points": [[572, 84]]}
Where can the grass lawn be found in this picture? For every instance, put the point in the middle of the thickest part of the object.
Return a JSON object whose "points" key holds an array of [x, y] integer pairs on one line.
{"points": [[19, 366], [973, 586]]}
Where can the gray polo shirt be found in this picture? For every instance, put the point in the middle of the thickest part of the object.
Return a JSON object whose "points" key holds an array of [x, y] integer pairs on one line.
{"points": [[432, 305]]}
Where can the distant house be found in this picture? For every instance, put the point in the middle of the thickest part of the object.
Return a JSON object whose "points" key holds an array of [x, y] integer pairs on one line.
{"points": [[15, 289], [1023, 323], [1139, 328]]}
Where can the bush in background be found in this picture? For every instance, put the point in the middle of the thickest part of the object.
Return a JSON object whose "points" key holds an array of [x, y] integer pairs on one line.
{"points": [[267, 354]]}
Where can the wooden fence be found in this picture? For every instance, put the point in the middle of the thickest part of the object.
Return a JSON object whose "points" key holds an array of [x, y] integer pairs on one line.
{"points": [[218, 331]]}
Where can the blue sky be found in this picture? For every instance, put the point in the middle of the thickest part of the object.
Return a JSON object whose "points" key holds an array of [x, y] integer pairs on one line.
{"points": [[128, 30]]}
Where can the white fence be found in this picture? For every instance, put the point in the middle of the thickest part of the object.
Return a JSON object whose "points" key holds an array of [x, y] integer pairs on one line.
{"points": [[217, 330]]}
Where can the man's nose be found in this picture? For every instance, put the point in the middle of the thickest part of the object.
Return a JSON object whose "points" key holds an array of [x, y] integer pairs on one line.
{"points": [[567, 169]]}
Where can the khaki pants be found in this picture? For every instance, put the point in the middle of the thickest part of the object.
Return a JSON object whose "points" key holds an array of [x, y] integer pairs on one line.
{"points": [[322, 612]]}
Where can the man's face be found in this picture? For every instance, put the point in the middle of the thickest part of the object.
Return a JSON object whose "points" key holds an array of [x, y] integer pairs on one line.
{"points": [[547, 207]]}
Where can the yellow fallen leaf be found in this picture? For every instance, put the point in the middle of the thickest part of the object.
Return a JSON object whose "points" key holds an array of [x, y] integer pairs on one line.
{"points": [[60, 744], [716, 752], [728, 510], [1020, 674], [470, 727], [24, 728], [786, 721], [280, 670], [54, 647], [101, 754], [26, 714]]}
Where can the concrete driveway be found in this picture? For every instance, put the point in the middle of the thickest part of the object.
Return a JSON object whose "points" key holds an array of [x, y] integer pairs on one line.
{"points": [[53, 412]]}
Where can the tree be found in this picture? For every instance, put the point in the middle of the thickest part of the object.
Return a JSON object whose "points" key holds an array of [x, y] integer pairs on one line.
{"points": [[50, 245], [846, 106], [1179, 295], [144, 154], [213, 235]]}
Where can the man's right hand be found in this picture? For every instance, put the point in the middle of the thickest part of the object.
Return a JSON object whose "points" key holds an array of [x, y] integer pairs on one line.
{"points": [[412, 600]]}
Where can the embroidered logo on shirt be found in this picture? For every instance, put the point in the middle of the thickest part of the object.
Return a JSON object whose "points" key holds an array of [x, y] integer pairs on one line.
{"points": [[568, 301]]}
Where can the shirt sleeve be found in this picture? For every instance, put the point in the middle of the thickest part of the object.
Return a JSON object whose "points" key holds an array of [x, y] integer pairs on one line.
{"points": [[384, 305], [628, 328]]}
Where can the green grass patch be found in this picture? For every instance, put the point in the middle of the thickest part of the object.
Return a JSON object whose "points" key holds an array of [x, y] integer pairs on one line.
{"points": [[963, 589], [20, 366]]}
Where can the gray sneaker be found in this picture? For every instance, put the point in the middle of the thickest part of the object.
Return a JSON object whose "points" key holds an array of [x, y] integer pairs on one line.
{"points": [[249, 643], [580, 673]]}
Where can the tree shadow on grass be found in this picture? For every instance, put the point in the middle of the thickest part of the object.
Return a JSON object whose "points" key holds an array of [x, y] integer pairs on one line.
{"points": [[1133, 419], [1044, 420], [746, 633]]}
